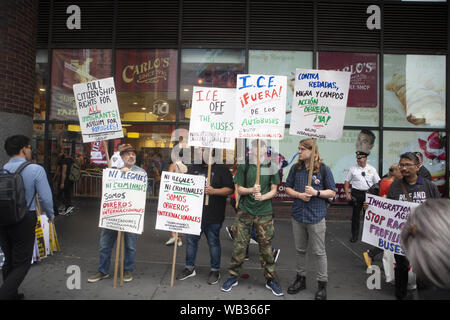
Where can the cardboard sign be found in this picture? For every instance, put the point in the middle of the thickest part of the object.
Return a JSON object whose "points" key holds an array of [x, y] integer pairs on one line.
{"points": [[260, 106], [123, 200], [319, 103], [98, 110], [383, 222], [180, 203], [212, 122]]}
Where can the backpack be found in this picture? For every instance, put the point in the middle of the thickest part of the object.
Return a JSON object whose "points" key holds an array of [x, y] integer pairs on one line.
{"points": [[13, 205], [75, 172]]}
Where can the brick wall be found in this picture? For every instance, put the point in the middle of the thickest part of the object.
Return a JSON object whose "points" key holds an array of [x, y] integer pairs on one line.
{"points": [[18, 21]]}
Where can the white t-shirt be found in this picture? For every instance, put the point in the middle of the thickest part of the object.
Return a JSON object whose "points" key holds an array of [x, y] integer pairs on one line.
{"points": [[358, 181], [116, 161]]}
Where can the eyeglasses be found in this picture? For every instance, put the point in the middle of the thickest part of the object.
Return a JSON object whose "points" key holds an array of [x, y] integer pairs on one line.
{"points": [[402, 165]]}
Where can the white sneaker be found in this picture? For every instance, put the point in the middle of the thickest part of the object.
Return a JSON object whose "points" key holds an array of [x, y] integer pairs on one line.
{"points": [[170, 241], [69, 209], [180, 243], [253, 241]]}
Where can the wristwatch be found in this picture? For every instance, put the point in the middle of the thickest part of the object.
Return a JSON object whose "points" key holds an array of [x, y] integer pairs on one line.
{"points": [[318, 193]]}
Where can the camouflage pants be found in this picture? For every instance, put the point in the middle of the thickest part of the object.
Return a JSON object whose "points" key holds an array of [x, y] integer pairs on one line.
{"points": [[242, 228]]}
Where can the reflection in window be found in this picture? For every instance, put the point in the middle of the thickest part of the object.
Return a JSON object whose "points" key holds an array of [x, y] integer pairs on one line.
{"points": [[209, 68], [75, 66], [37, 144], [414, 91], [40, 91], [280, 63], [146, 82]]}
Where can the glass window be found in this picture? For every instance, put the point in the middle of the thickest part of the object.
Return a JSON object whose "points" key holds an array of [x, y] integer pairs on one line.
{"points": [[40, 91], [209, 68], [37, 144], [362, 104], [69, 67], [414, 91], [146, 82], [280, 63], [431, 144]]}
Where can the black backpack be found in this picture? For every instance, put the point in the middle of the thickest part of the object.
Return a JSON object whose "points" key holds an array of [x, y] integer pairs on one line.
{"points": [[13, 205]]}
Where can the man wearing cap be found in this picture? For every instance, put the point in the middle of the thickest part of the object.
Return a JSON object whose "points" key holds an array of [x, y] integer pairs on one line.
{"points": [[108, 237], [361, 177]]}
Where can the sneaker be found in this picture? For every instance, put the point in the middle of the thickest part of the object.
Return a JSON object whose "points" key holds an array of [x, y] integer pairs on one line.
{"points": [[230, 232], [214, 277], [276, 253], [127, 276], [253, 241], [246, 257], [70, 210], [180, 243], [97, 277], [274, 286], [367, 259], [170, 241], [186, 273], [229, 284]]}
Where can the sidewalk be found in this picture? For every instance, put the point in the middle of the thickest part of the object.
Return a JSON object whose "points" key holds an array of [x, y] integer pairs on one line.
{"points": [[79, 237]]}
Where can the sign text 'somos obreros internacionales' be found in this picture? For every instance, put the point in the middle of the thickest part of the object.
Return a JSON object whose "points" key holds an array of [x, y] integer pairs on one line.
{"points": [[98, 110], [180, 203], [123, 200]]}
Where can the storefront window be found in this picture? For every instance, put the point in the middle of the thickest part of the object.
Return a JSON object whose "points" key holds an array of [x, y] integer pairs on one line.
{"points": [[69, 67], [146, 82], [431, 144], [362, 104], [40, 91], [414, 91], [37, 144], [280, 63], [208, 68]]}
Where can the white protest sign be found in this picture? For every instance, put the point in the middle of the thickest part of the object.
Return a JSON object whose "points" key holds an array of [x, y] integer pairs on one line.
{"points": [[212, 118], [123, 200], [98, 110], [180, 203], [383, 222], [319, 103], [260, 110]]}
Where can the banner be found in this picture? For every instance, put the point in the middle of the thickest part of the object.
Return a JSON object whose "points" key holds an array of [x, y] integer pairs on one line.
{"points": [[383, 222], [260, 106], [180, 203], [319, 105], [212, 121], [123, 200], [98, 110]]}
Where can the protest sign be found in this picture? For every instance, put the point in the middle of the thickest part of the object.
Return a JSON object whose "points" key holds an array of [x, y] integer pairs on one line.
{"points": [[123, 200], [212, 118], [180, 203], [319, 103], [98, 110], [383, 222], [260, 106]]}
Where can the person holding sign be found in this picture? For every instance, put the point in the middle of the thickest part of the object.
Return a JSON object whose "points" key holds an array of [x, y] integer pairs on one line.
{"points": [[308, 214], [361, 177], [221, 185], [412, 188], [108, 237], [255, 209]]}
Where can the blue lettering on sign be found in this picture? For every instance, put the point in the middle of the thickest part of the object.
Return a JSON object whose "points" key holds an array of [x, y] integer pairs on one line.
{"points": [[244, 82]]}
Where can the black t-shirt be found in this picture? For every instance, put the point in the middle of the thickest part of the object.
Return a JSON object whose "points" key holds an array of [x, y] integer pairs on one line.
{"points": [[221, 177], [419, 192], [68, 162]]}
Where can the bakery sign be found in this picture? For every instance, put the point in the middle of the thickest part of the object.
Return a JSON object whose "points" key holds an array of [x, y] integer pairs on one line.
{"points": [[146, 70]]}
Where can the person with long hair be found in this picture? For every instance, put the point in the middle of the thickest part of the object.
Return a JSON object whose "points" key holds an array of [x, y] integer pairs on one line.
{"points": [[308, 214]]}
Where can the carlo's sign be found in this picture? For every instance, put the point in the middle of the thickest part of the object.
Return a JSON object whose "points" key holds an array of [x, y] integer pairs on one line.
{"points": [[150, 71]]}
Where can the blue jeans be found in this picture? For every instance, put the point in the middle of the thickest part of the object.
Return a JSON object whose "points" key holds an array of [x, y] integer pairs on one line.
{"points": [[212, 233], [107, 240]]}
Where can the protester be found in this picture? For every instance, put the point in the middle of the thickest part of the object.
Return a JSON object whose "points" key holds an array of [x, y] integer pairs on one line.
{"points": [[423, 172], [412, 188], [425, 237], [108, 237], [17, 240], [220, 186], [177, 166], [381, 190], [64, 185], [255, 209], [361, 177], [308, 214]]}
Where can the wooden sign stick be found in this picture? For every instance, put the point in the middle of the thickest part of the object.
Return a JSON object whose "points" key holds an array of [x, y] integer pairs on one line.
{"points": [[175, 245], [209, 175], [122, 256], [311, 162], [258, 161], [116, 264]]}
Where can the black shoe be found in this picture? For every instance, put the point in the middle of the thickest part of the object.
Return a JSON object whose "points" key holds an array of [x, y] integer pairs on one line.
{"points": [[353, 239], [214, 277], [321, 293], [186, 273], [299, 284]]}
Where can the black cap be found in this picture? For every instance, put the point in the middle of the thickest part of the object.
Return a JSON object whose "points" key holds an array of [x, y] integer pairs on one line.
{"points": [[360, 155]]}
